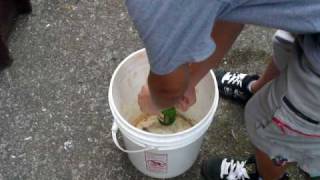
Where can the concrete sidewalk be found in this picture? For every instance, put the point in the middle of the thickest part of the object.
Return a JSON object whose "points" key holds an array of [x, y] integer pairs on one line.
{"points": [[54, 116]]}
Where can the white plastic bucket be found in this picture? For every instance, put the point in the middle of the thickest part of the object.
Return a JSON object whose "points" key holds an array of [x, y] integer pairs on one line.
{"points": [[159, 156]]}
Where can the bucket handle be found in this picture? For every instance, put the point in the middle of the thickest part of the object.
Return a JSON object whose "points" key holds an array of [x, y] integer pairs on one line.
{"points": [[114, 131]]}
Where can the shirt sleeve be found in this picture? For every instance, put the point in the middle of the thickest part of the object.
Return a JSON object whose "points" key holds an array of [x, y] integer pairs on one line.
{"points": [[174, 32]]}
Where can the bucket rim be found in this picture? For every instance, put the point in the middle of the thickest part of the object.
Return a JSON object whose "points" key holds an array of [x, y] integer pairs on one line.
{"points": [[112, 105]]}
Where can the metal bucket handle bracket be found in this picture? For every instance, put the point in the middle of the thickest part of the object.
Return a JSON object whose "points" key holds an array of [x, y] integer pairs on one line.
{"points": [[114, 131]]}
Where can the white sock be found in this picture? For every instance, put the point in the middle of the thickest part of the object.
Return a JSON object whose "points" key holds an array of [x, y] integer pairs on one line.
{"points": [[250, 85]]}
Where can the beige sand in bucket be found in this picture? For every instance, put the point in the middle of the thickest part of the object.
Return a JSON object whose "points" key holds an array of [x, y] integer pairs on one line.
{"points": [[157, 155]]}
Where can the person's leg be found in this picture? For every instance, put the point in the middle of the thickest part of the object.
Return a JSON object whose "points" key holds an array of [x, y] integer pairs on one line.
{"points": [[269, 74], [283, 46], [260, 167], [266, 167], [311, 167], [240, 87]]}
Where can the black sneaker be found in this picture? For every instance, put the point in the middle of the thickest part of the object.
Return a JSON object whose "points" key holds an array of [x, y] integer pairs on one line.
{"points": [[235, 85], [285, 177], [229, 169]]}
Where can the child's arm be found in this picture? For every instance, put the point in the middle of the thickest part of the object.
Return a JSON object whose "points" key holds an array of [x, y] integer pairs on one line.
{"points": [[163, 91], [177, 87], [166, 89]]}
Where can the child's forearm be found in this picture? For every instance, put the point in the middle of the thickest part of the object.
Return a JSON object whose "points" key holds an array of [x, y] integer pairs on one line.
{"points": [[166, 90], [198, 71], [224, 34]]}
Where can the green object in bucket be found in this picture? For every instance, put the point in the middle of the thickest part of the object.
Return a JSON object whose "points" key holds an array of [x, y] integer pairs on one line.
{"points": [[168, 116]]}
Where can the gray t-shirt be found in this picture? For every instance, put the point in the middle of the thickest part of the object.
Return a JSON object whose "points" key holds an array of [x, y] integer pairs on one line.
{"points": [[176, 32]]}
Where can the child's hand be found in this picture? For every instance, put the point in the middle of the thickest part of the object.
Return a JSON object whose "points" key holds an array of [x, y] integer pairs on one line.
{"points": [[188, 99], [148, 106], [145, 102]]}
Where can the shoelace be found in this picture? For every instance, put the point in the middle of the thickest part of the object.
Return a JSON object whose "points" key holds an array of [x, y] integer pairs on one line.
{"points": [[233, 78], [233, 171]]}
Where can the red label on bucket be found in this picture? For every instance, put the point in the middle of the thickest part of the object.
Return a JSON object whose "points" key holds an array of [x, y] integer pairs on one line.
{"points": [[156, 162]]}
